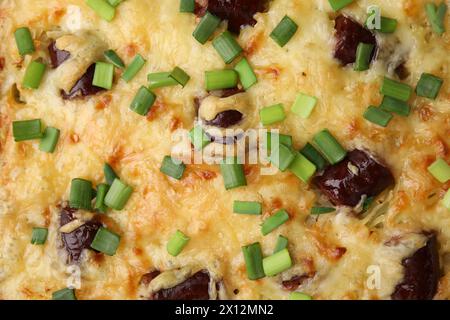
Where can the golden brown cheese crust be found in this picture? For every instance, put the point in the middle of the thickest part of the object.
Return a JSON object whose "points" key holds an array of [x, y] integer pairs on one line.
{"points": [[102, 128]]}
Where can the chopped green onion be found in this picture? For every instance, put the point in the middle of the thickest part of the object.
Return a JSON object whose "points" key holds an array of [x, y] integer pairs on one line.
{"points": [[143, 101], [134, 67], [64, 294], [221, 79], [429, 86], [114, 58], [304, 105], [329, 146], [80, 194], [321, 210], [114, 3], [394, 105], [160, 79], [281, 244], [281, 156], [109, 173], [363, 54], [436, 16], [388, 25], [27, 130], [102, 190], [314, 156], [377, 116], [446, 200], [206, 27], [276, 220], [302, 167], [277, 263], [253, 261], [232, 173], [106, 241], [171, 168], [118, 195], [337, 5], [49, 140], [284, 31], [247, 207], [177, 243], [299, 296], [199, 138], [395, 89], [282, 139], [440, 170], [227, 47], [33, 75], [367, 203], [24, 41], [102, 8], [187, 6], [39, 235], [103, 75], [180, 76], [246, 74], [272, 114]]}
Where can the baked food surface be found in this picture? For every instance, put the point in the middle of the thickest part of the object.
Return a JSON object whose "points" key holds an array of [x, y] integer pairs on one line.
{"points": [[403, 238]]}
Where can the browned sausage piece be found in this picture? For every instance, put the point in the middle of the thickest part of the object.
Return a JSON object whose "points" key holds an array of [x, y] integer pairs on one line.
{"points": [[57, 57], [239, 13], [226, 119], [194, 288], [357, 175], [79, 239], [349, 34], [422, 273], [83, 87]]}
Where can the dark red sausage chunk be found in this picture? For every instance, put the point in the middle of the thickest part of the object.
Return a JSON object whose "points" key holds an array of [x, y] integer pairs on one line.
{"points": [[194, 288], [344, 186], [421, 274], [57, 57], [79, 239], [295, 282], [349, 34], [239, 13], [84, 86], [226, 119]]}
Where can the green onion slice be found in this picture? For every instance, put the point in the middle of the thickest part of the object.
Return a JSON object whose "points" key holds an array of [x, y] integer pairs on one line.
{"points": [[302, 167], [143, 101], [171, 168], [282, 156], [24, 41], [272, 114], [160, 79], [363, 54], [282, 139], [446, 200], [282, 243], [49, 139], [33, 75], [246, 74], [102, 190], [227, 47], [187, 6], [199, 138], [64, 294], [429, 86], [177, 243], [395, 89], [276, 220], [118, 195], [27, 130], [337, 5], [321, 210], [440, 170], [314, 156], [113, 57], [102, 8], [329, 147], [377, 116], [109, 173], [394, 105], [277, 263], [180, 76], [114, 3], [253, 261], [436, 16], [247, 207], [106, 241], [304, 105], [103, 75], [232, 173], [299, 296], [39, 235], [284, 31], [206, 27], [220, 79], [134, 67], [80, 194]]}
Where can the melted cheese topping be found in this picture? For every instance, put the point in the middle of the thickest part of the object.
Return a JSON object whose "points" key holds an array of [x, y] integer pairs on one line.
{"points": [[102, 128]]}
